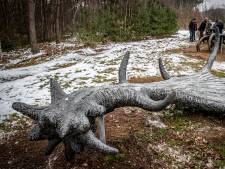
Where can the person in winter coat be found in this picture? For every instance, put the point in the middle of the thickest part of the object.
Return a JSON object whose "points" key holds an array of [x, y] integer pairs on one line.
{"points": [[202, 27], [220, 25], [192, 28], [208, 28]]}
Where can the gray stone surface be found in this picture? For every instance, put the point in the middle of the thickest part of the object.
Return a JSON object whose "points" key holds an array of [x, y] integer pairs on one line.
{"points": [[210, 39]]}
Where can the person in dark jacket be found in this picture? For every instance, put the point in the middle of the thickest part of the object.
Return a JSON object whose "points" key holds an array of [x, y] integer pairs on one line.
{"points": [[192, 28], [202, 27], [220, 25], [209, 28]]}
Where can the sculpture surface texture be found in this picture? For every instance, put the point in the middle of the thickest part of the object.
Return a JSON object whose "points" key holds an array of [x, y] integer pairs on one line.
{"points": [[70, 118], [210, 40]]}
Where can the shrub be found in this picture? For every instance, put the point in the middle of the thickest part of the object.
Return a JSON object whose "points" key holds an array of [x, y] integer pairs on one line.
{"points": [[113, 22]]}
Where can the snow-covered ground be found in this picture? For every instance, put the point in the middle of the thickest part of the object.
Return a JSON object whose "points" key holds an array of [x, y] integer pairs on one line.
{"points": [[89, 67]]}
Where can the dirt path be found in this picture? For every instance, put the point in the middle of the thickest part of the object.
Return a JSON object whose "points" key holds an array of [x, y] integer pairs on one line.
{"points": [[190, 141], [202, 55], [169, 139]]}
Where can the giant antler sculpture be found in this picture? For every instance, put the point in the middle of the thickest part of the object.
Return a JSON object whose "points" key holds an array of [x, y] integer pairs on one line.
{"points": [[70, 118], [210, 39]]}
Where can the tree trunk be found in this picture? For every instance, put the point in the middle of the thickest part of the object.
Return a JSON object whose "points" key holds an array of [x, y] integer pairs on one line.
{"points": [[0, 48], [58, 36], [32, 30]]}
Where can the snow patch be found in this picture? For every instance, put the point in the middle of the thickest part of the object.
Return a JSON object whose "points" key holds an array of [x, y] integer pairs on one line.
{"points": [[88, 67]]}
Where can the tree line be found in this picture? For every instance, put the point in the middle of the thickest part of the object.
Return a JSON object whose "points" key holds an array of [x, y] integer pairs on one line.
{"points": [[24, 19], [31, 21]]}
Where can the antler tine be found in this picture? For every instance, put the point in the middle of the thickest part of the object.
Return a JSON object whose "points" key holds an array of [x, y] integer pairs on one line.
{"points": [[56, 91], [123, 68], [150, 104], [165, 75], [27, 110], [210, 40], [212, 56], [90, 140], [101, 126], [52, 144], [200, 41]]}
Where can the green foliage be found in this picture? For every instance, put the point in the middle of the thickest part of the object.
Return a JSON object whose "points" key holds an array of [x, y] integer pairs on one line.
{"points": [[12, 40], [115, 22], [114, 158], [218, 73]]}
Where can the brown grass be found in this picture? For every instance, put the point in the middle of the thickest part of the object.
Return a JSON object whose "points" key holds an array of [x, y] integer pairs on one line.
{"points": [[144, 79], [203, 54]]}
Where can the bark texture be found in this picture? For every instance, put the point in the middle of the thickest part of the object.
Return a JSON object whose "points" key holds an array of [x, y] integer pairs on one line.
{"points": [[32, 29], [70, 118]]}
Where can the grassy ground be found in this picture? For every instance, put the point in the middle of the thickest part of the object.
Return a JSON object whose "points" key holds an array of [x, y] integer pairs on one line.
{"points": [[202, 55], [167, 139]]}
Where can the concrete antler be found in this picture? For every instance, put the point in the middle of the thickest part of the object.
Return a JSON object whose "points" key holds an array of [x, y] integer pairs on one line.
{"points": [[211, 39], [165, 75], [200, 91], [70, 118]]}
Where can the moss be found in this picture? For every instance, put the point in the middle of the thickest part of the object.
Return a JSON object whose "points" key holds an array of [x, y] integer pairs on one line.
{"points": [[101, 79], [66, 85], [195, 65], [82, 83], [220, 163], [44, 84], [114, 158], [139, 69], [29, 62], [84, 78], [219, 147], [109, 70], [78, 70], [63, 65], [218, 74], [177, 120], [143, 136], [7, 125]]}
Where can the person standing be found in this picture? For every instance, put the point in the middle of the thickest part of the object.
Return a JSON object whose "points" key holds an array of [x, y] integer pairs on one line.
{"points": [[192, 28], [220, 25], [202, 27], [208, 28]]}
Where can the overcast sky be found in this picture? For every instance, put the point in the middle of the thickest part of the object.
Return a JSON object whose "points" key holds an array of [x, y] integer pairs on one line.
{"points": [[207, 4]]}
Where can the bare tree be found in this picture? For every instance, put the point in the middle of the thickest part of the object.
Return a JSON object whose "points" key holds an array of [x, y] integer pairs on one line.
{"points": [[32, 30], [0, 48], [58, 36]]}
